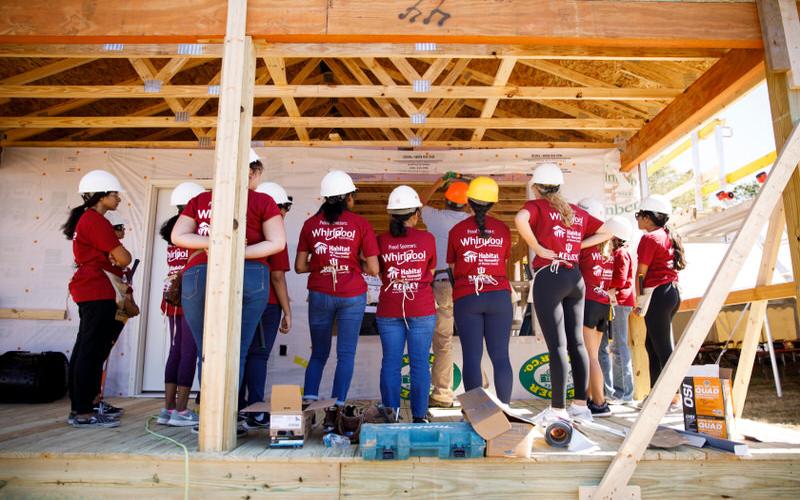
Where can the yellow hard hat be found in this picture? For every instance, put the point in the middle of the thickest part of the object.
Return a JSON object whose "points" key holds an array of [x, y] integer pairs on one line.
{"points": [[483, 189]]}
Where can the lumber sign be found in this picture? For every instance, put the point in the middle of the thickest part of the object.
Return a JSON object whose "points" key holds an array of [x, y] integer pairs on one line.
{"points": [[624, 463]]}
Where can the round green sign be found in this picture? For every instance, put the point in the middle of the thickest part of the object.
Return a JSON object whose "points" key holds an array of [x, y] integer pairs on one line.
{"points": [[534, 375], [405, 371]]}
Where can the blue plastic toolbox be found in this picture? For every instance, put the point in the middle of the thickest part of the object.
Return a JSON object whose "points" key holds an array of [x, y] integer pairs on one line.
{"points": [[400, 441]]}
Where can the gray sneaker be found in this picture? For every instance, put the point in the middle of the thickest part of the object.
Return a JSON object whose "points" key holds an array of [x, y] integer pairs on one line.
{"points": [[164, 416], [186, 418], [95, 420]]}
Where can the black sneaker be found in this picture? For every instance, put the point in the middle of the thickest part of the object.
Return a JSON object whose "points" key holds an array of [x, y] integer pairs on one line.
{"points": [[71, 417], [599, 410], [421, 420], [103, 408], [258, 420], [331, 415], [95, 420]]}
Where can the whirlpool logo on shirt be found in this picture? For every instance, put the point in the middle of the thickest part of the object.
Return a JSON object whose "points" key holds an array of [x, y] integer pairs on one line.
{"points": [[478, 242], [177, 254], [333, 233], [401, 258]]}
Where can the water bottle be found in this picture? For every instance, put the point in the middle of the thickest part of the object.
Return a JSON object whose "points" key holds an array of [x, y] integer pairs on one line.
{"points": [[332, 440]]}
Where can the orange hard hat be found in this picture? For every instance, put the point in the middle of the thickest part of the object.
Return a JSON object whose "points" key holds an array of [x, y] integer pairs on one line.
{"points": [[457, 192]]}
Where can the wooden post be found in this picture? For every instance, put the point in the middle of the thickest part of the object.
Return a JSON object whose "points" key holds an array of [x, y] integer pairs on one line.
{"points": [[223, 311], [622, 467], [637, 332]]}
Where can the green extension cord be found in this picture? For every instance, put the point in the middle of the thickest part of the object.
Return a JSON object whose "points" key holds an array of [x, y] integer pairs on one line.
{"points": [[180, 445]]}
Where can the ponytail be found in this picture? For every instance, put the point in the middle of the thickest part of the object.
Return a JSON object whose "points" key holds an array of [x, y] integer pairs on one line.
{"points": [[334, 207], [89, 200], [559, 204], [480, 210], [167, 226], [678, 252], [397, 224]]}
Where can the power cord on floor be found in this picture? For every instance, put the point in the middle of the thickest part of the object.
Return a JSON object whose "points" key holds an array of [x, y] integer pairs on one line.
{"points": [[180, 445]]}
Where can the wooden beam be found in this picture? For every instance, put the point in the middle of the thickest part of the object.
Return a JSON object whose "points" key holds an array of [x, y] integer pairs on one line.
{"points": [[223, 306], [316, 143], [318, 122], [730, 77], [299, 78], [500, 80], [655, 407], [43, 72], [739, 297], [387, 80], [277, 70], [36, 314], [111, 51]]}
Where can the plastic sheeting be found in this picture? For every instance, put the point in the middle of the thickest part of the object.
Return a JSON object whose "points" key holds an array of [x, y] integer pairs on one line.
{"points": [[37, 186]]}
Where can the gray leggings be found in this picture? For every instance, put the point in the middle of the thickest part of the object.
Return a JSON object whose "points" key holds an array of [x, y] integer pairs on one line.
{"points": [[558, 298]]}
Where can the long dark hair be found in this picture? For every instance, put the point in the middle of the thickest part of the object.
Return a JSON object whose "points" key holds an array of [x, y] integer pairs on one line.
{"points": [[678, 253], [480, 210], [89, 200], [334, 207], [166, 227], [397, 224]]}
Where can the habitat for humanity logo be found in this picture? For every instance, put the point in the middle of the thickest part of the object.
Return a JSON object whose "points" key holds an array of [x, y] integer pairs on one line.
{"points": [[405, 381], [534, 375]]}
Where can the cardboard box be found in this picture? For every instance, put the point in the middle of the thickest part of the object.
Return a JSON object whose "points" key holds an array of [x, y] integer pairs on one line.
{"points": [[707, 401], [289, 424], [506, 432]]}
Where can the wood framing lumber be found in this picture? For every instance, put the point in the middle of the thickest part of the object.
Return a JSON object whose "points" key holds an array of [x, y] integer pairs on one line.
{"points": [[500, 79], [43, 72], [44, 314], [223, 305], [111, 50], [319, 122], [739, 297], [731, 76], [655, 407], [277, 70]]}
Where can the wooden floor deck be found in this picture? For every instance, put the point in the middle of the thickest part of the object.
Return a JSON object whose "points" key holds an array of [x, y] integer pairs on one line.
{"points": [[40, 456]]}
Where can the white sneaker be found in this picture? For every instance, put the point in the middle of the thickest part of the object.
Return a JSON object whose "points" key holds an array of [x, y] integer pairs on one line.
{"points": [[163, 416], [580, 412], [186, 418], [551, 415]]}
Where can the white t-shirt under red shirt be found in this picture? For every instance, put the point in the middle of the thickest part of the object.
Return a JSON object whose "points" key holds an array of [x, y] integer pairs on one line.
{"points": [[406, 265], [597, 272], [552, 234], [477, 259], [334, 249]]}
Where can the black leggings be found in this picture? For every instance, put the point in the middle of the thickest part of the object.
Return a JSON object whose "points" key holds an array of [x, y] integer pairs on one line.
{"points": [[663, 306], [95, 338], [487, 316], [558, 298]]}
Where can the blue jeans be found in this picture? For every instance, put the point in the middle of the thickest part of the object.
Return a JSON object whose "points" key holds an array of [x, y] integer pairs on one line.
{"points": [[622, 372], [605, 365], [347, 312], [255, 368], [394, 335], [255, 294]]}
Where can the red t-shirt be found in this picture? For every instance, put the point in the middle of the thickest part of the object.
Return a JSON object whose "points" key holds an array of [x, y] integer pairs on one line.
{"points": [[478, 259], [406, 264], [597, 272], [260, 208], [622, 278], [334, 250], [277, 262], [551, 233], [94, 238], [655, 251], [176, 260]]}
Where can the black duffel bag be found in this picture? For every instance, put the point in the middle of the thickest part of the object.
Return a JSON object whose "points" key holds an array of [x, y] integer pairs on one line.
{"points": [[27, 377]]}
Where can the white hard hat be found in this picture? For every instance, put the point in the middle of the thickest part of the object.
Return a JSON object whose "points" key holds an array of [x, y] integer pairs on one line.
{"points": [[548, 174], [336, 183], [99, 181], [184, 192], [594, 207], [275, 190], [656, 203], [403, 197], [620, 227], [115, 218], [253, 156]]}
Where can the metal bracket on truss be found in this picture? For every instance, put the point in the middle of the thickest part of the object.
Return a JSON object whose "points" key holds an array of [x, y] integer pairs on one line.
{"points": [[204, 142], [191, 49], [113, 47], [421, 86], [152, 86], [213, 90], [425, 47], [182, 116]]}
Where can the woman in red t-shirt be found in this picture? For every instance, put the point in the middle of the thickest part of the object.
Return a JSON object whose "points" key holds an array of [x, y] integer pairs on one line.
{"points": [[661, 256], [333, 243], [264, 236], [182, 358], [556, 231], [478, 249], [406, 307], [99, 258]]}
